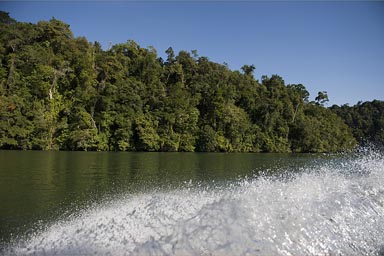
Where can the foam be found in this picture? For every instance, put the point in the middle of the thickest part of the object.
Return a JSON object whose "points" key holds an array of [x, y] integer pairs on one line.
{"points": [[330, 209]]}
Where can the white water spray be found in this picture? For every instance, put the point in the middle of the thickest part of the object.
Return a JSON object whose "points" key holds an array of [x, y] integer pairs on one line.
{"points": [[333, 209]]}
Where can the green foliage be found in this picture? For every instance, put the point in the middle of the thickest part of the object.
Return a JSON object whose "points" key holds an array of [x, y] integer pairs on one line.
{"points": [[366, 120], [315, 132], [58, 92], [15, 126], [321, 98], [146, 136]]}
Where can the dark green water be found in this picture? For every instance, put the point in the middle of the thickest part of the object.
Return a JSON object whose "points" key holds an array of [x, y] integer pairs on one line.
{"points": [[39, 186], [99, 203]]}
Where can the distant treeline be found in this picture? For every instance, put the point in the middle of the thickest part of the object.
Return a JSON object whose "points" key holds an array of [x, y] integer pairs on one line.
{"points": [[366, 119], [58, 92]]}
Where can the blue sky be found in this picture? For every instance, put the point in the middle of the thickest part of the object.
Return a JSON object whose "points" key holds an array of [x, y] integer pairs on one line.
{"points": [[336, 47]]}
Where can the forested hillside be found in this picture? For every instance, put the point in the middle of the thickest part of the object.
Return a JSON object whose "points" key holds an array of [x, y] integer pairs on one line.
{"points": [[60, 92], [366, 120]]}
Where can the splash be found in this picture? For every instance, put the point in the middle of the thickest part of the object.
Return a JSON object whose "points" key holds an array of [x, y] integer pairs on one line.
{"points": [[331, 209]]}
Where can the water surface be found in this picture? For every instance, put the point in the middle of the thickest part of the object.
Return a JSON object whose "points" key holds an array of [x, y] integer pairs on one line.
{"points": [[75, 203]]}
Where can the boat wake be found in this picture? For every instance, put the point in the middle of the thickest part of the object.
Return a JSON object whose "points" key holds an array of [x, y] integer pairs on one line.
{"points": [[331, 209]]}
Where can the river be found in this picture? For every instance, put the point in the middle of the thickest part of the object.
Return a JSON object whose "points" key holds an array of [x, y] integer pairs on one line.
{"points": [[109, 203]]}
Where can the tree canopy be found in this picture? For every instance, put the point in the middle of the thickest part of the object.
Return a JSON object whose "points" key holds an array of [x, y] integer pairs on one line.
{"points": [[60, 92], [366, 120]]}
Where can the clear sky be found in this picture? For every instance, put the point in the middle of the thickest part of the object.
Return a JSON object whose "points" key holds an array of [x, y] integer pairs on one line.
{"points": [[336, 47]]}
